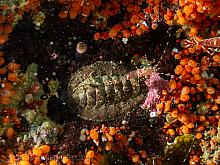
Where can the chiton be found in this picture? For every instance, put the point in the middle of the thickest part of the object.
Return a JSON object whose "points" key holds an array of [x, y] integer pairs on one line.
{"points": [[104, 91]]}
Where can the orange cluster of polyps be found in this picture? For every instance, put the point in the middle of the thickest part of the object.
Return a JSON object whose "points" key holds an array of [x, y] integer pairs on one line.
{"points": [[8, 113], [85, 8], [6, 26], [194, 15], [32, 156], [11, 16], [12, 70], [10, 120], [135, 21], [190, 86], [187, 83], [74, 8], [115, 141]]}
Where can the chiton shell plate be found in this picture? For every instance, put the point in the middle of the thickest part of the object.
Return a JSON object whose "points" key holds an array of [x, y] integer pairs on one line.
{"points": [[99, 92]]}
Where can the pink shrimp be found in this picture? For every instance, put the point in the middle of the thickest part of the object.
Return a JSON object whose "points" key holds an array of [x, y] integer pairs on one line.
{"points": [[209, 45], [211, 42]]}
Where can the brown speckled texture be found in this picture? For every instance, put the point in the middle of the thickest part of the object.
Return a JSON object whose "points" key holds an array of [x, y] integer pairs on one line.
{"points": [[97, 93]]}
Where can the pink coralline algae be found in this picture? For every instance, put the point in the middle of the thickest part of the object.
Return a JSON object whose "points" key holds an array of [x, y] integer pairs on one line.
{"points": [[155, 85]]}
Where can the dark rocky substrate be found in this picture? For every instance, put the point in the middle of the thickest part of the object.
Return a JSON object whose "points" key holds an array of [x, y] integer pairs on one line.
{"points": [[27, 45]]}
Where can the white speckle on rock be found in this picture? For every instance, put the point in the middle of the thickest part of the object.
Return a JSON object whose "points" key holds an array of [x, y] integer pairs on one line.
{"points": [[125, 40], [124, 122], [54, 73], [153, 114]]}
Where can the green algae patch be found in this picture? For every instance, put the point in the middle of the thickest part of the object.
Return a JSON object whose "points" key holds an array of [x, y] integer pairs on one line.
{"points": [[177, 152]]}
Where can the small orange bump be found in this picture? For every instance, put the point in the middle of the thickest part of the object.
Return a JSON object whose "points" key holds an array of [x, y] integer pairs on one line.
{"points": [[135, 19], [193, 32], [139, 31], [112, 131], [5, 100], [190, 125], [177, 56], [135, 158], [126, 33], [184, 129], [2, 60], [53, 162], [181, 21], [3, 38], [192, 50], [197, 77], [65, 160], [73, 13], [90, 154], [13, 77], [63, 14], [113, 33], [210, 90], [25, 157], [216, 57], [130, 8], [198, 135], [24, 162], [12, 66], [182, 117], [37, 151], [94, 134], [10, 132], [192, 63], [5, 120], [214, 107], [184, 61], [45, 148], [178, 69], [108, 146], [97, 36], [171, 132], [172, 84], [185, 90], [195, 71], [187, 68]]}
